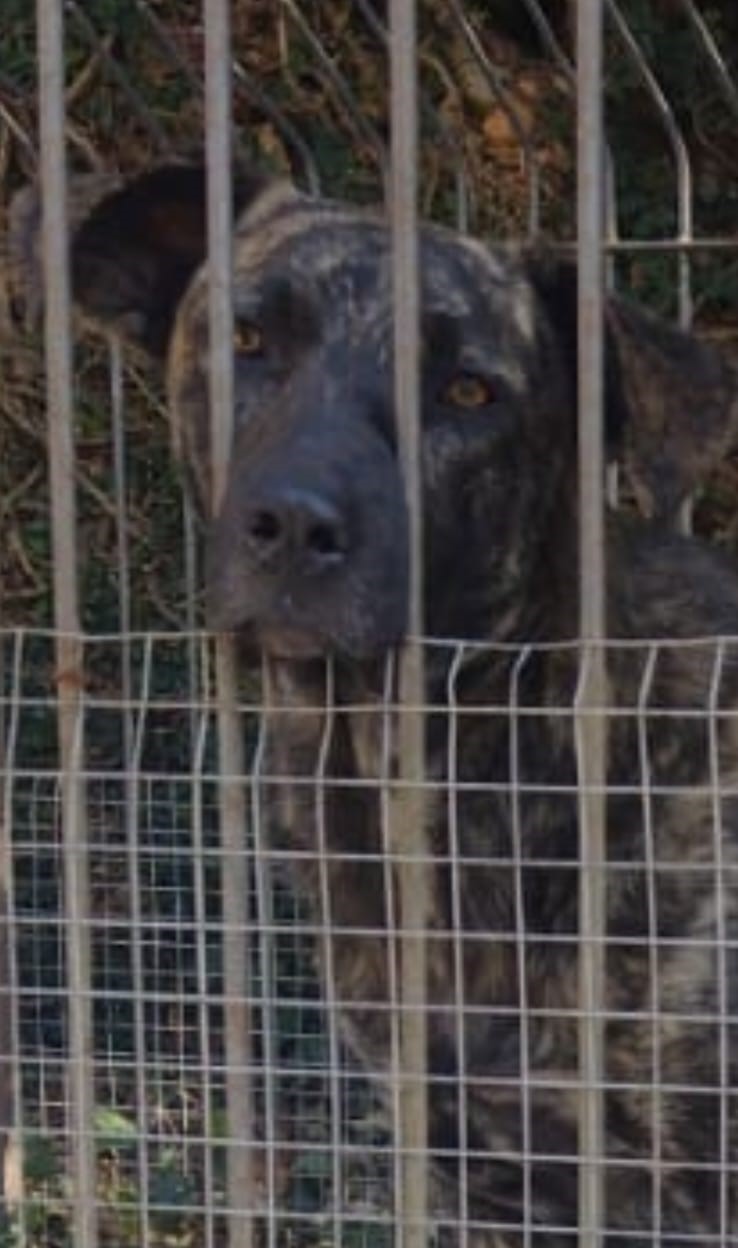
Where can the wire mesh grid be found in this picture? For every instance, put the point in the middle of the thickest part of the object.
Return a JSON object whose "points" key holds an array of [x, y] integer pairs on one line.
{"points": [[157, 932], [308, 1127], [502, 1006]]}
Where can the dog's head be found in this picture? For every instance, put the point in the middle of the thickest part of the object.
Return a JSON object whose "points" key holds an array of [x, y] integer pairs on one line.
{"points": [[310, 544], [309, 548]]}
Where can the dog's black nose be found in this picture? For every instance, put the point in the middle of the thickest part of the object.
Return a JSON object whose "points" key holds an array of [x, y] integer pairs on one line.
{"points": [[288, 526]]}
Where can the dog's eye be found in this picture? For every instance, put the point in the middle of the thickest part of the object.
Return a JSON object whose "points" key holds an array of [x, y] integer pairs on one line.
{"points": [[468, 390], [247, 338]]}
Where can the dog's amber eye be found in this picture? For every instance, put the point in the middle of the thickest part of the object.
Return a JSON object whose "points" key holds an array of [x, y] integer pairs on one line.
{"points": [[247, 338], [468, 390]]}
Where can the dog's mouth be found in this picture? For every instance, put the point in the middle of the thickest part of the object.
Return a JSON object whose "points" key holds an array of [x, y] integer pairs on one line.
{"points": [[283, 642], [287, 642], [295, 631]]}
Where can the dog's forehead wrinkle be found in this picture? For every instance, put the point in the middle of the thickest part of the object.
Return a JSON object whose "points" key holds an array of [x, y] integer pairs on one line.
{"points": [[499, 272], [341, 259], [346, 241], [302, 238]]}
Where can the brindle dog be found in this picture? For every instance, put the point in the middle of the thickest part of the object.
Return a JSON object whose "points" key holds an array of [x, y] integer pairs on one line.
{"points": [[308, 558]]}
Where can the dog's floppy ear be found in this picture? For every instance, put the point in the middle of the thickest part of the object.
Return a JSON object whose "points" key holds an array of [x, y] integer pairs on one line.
{"points": [[133, 246], [671, 399], [682, 399]]}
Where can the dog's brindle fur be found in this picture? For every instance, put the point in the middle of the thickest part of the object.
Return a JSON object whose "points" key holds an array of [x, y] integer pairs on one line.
{"points": [[308, 557]]}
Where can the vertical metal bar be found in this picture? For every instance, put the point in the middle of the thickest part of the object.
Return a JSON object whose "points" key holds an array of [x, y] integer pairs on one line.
{"points": [[457, 926], [450, 149], [134, 745], [13, 1185], [684, 192], [194, 674], [493, 78], [206, 1238], [684, 196], [722, 937], [521, 945], [591, 694], [220, 237], [406, 809], [231, 756], [650, 858], [69, 656], [198, 686], [331, 995], [117, 420], [266, 951], [391, 908]]}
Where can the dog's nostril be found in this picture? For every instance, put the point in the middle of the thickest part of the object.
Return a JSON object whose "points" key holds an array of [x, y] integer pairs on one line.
{"points": [[265, 528], [325, 541]]}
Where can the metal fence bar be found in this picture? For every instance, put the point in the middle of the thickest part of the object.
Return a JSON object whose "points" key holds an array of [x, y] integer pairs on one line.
{"points": [[457, 924], [69, 655], [233, 822], [13, 1185], [133, 735], [117, 422], [517, 830], [725, 1214], [407, 832], [591, 694], [429, 113], [494, 81], [198, 770], [680, 153], [269, 989], [390, 891], [650, 859], [331, 995]]}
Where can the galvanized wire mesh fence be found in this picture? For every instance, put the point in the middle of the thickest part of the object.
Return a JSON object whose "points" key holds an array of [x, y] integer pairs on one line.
{"points": [[191, 1061], [324, 1155]]}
